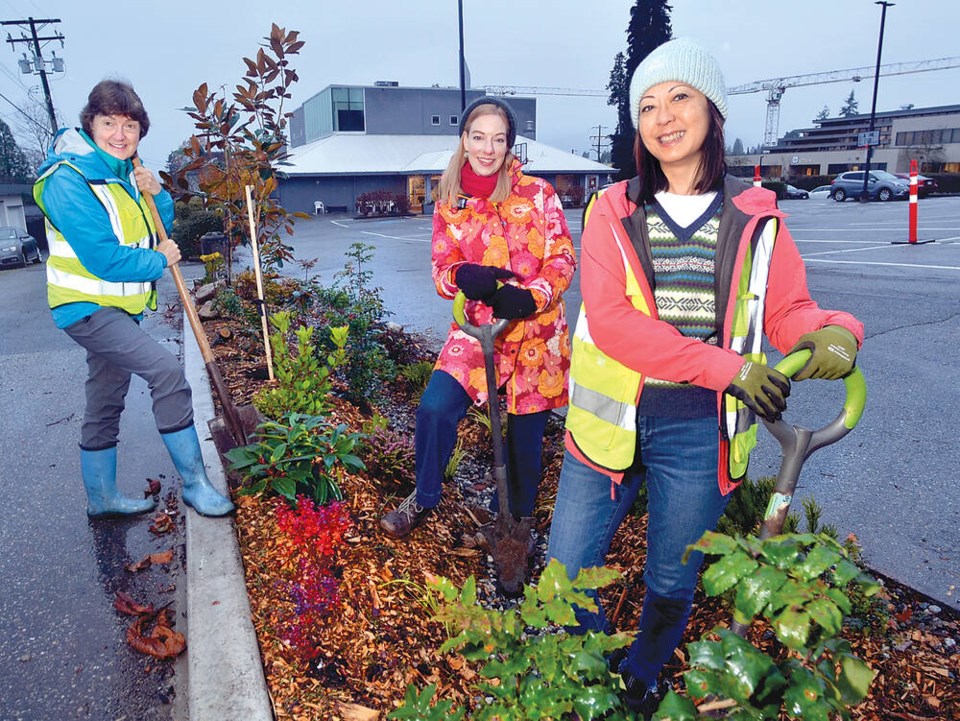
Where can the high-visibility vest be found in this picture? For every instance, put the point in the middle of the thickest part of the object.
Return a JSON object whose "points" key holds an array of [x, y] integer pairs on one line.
{"points": [[604, 393], [68, 281]]}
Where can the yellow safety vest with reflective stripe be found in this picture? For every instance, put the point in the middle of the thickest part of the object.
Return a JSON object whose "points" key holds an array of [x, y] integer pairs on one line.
{"points": [[604, 393], [68, 281]]}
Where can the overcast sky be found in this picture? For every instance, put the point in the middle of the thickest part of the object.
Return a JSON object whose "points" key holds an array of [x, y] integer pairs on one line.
{"points": [[167, 49]]}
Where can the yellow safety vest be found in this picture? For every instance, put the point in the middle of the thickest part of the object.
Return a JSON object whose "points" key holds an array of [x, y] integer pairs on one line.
{"points": [[604, 393], [68, 281]]}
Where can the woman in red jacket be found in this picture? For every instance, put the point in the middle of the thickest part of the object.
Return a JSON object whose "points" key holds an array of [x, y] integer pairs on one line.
{"points": [[500, 237], [684, 271]]}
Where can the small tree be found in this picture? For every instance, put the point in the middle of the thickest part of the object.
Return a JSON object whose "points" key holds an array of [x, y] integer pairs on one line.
{"points": [[649, 28], [13, 163], [824, 113], [242, 142], [737, 147], [849, 106]]}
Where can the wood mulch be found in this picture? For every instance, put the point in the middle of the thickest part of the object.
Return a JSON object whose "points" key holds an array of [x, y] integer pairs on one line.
{"points": [[381, 638]]}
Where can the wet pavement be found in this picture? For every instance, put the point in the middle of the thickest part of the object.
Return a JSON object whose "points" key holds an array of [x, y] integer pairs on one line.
{"points": [[63, 650]]}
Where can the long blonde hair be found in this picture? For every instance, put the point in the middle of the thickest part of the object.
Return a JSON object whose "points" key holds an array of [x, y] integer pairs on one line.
{"points": [[450, 180]]}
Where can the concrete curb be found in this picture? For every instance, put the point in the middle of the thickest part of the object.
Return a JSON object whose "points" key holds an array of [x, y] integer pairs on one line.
{"points": [[225, 679]]}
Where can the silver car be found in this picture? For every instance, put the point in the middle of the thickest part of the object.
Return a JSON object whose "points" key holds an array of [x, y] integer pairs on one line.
{"points": [[17, 248]]}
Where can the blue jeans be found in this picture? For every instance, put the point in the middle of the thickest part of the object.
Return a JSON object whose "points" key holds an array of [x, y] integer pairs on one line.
{"points": [[443, 404], [679, 465]]}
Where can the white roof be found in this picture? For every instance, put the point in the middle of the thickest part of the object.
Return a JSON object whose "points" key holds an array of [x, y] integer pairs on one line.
{"points": [[359, 153]]}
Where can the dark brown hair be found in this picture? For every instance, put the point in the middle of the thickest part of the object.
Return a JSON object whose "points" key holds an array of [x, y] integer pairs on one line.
{"points": [[113, 97], [712, 164]]}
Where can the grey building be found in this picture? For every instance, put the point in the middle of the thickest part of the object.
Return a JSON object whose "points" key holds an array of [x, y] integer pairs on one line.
{"points": [[350, 144], [931, 136]]}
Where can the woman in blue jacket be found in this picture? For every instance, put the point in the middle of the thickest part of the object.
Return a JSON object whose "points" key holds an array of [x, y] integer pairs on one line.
{"points": [[104, 262]]}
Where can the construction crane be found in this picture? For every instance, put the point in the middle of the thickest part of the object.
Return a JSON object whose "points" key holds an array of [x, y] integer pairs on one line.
{"points": [[776, 87]]}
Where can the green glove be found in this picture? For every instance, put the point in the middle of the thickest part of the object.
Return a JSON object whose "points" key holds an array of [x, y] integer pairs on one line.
{"points": [[834, 353], [762, 388]]}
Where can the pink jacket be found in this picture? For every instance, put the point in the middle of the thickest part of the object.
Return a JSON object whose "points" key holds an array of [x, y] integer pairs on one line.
{"points": [[527, 234]]}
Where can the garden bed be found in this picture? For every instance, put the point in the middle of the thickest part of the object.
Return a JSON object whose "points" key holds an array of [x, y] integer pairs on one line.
{"points": [[377, 634]]}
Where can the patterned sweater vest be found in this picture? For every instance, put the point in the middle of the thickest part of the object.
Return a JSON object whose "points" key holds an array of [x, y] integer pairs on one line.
{"points": [[683, 266]]}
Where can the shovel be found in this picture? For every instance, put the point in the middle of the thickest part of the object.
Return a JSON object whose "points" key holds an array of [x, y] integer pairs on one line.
{"points": [[507, 538], [237, 423], [798, 444]]}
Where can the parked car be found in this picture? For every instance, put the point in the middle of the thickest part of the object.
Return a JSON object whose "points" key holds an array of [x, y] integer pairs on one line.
{"points": [[925, 185], [881, 185], [821, 192], [794, 193], [17, 248]]}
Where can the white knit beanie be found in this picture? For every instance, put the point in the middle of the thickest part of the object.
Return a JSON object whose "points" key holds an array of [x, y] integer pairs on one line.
{"points": [[683, 60]]}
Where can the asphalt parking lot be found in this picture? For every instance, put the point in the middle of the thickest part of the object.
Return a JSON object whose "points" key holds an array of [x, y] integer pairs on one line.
{"points": [[892, 481]]}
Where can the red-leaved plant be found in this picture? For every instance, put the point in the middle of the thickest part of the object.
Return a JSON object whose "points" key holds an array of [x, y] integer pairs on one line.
{"points": [[313, 534]]}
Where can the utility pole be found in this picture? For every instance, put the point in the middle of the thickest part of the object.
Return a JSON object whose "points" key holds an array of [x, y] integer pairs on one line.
{"points": [[873, 108], [601, 141], [39, 64]]}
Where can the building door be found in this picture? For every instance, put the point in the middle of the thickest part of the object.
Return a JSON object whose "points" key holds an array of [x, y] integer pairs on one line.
{"points": [[416, 192]]}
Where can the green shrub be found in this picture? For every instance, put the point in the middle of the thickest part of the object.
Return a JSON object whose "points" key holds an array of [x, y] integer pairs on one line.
{"points": [[353, 302], [550, 674], [192, 221], [417, 375], [303, 382], [800, 584], [297, 455]]}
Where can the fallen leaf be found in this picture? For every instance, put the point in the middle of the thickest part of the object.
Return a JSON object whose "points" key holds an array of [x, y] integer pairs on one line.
{"points": [[124, 603], [153, 487], [355, 712], [161, 641], [162, 524]]}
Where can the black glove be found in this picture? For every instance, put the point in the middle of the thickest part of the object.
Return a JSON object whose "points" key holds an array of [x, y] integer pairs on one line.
{"points": [[479, 282], [511, 302], [763, 389]]}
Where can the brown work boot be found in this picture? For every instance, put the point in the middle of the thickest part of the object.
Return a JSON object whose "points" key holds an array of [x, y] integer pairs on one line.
{"points": [[407, 516]]}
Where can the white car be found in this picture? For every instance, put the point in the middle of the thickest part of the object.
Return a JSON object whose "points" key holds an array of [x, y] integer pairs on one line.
{"points": [[821, 192]]}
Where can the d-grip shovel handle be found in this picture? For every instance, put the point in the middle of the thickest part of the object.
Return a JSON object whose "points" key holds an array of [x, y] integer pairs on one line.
{"points": [[798, 443], [855, 400], [460, 316]]}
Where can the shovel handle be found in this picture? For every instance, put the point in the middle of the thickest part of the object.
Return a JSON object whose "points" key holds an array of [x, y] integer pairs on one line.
{"points": [[854, 401], [213, 373], [460, 316]]}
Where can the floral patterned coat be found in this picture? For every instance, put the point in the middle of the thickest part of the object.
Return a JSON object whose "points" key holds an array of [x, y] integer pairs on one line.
{"points": [[527, 234]]}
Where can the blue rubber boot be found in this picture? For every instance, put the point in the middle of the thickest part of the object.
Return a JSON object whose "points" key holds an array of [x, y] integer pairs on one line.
{"points": [[184, 449], [99, 471]]}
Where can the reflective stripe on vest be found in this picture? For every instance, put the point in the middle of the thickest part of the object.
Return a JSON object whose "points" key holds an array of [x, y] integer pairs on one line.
{"points": [[602, 415], [68, 281], [739, 423]]}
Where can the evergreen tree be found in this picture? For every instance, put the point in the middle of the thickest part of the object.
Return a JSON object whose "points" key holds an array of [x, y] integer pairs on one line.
{"points": [[823, 114], [13, 163], [649, 28], [849, 106], [737, 147]]}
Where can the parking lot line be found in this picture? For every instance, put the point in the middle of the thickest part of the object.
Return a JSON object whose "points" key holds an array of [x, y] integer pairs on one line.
{"points": [[873, 262]]}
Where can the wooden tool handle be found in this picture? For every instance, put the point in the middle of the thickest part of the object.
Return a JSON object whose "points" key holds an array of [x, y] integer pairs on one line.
{"points": [[185, 298], [213, 373]]}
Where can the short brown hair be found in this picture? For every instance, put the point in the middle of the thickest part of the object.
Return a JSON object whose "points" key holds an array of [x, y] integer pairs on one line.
{"points": [[114, 97], [712, 164]]}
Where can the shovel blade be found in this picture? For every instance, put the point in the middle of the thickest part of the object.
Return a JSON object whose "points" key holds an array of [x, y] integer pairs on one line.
{"points": [[508, 542], [224, 439]]}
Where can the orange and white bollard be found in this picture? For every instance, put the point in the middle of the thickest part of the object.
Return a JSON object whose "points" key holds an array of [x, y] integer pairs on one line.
{"points": [[914, 198], [756, 176]]}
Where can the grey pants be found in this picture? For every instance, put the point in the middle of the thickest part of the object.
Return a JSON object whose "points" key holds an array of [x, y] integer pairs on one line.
{"points": [[116, 348]]}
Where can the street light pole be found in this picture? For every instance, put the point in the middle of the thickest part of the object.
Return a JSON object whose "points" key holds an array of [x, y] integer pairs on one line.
{"points": [[463, 89], [873, 108]]}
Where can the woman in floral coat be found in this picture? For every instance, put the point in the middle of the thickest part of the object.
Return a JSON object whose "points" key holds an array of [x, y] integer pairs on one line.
{"points": [[501, 238]]}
